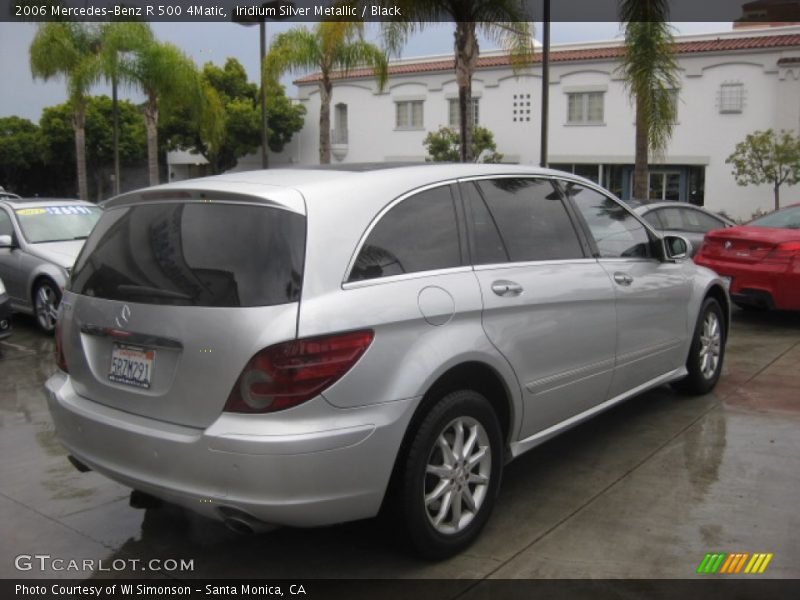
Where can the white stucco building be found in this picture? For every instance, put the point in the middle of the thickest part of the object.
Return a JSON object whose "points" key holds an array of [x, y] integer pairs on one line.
{"points": [[732, 83]]}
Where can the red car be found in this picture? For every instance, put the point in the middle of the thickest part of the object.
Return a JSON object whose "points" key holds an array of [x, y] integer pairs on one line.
{"points": [[761, 258]]}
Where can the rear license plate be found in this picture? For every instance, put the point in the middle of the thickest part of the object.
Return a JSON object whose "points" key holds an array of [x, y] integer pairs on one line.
{"points": [[131, 365]]}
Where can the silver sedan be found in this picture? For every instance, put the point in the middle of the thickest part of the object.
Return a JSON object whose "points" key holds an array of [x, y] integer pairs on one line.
{"points": [[681, 218], [39, 242]]}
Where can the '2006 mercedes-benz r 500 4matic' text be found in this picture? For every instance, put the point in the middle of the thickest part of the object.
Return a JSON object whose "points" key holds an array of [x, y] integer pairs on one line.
{"points": [[310, 346]]}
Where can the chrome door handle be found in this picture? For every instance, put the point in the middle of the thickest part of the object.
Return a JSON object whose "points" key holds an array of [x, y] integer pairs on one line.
{"points": [[623, 278], [503, 287]]}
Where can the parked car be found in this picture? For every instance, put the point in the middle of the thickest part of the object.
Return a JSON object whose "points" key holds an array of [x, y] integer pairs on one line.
{"points": [[760, 259], [304, 347], [5, 312], [39, 241], [681, 218]]}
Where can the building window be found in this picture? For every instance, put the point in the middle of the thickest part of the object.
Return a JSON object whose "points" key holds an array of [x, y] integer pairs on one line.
{"points": [[340, 124], [674, 99], [522, 108], [585, 108], [408, 114], [453, 114], [731, 98]]}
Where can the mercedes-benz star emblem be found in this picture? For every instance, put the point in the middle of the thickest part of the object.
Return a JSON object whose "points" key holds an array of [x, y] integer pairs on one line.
{"points": [[124, 316], [728, 245]]}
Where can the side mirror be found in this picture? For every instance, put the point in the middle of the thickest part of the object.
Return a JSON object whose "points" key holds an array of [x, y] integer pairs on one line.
{"points": [[6, 241], [677, 247]]}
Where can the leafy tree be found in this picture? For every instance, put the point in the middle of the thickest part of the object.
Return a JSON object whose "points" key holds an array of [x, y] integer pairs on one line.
{"points": [[58, 154], [331, 46], [69, 50], [502, 21], [119, 40], [767, 157], [20, 155], [230, 124], [168, 78], [444, 145], [650, 72]]}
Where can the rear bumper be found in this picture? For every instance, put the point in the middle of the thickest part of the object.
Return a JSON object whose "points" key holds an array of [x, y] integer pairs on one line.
{"points": [[760, 284], [335, 471]]}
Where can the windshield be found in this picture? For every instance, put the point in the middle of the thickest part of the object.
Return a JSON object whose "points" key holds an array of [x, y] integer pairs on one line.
{"points": [[57, 223], [788, 218]]}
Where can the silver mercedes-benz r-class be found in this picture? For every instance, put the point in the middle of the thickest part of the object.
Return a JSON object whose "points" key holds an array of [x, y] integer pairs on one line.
{"points": [[311, 346]]}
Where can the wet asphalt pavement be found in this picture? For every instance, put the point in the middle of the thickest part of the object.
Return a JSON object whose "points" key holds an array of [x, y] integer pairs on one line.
{"points": [[643, 491]]}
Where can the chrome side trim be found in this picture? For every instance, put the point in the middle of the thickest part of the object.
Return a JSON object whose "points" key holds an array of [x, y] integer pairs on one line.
{"points": [[579, 373], [637, 355], [351, 285], [523, 446]]}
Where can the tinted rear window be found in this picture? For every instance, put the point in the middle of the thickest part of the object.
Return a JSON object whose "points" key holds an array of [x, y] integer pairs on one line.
{"points": [[195, 254]]}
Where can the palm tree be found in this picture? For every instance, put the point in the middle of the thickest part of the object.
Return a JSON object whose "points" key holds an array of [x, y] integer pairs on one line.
{"points": [[70, 50], [119, 41], [168, 77], [330, 47], [502, 21], [651, 77]]}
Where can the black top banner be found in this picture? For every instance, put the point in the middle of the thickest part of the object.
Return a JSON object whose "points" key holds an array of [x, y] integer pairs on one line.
{"points": [[372, 10]]}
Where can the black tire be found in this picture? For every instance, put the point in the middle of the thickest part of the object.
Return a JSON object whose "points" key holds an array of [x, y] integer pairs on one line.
{"points": [[703, 374], [45, 301], [467, 483]]}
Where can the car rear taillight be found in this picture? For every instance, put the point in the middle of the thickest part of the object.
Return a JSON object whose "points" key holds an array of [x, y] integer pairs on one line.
{"points": [[784, 253], [61, 362], [287, 374]]}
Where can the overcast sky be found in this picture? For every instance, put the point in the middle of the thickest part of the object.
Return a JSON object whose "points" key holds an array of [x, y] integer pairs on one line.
{"points": [[22, 96]]}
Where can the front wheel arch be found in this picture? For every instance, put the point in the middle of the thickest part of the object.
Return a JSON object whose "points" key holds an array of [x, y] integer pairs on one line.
{"points": [[38, 282]]}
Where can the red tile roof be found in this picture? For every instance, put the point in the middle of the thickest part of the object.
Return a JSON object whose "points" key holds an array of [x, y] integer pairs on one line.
{"points": [[691, 47]]}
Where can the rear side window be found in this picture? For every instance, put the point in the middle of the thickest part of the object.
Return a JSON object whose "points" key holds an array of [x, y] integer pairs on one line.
{"points": [[194, 254], [418, 234], [520, 220], [617, 233]]}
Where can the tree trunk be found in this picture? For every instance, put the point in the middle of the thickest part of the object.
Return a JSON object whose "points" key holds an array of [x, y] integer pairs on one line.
{"points": [[115, 111], [777, 192], [325, 91], [466, 52], [640, 187], [79, 125], [151, 125]]}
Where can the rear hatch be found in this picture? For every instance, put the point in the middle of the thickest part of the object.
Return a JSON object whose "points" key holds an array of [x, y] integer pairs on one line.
{"points": [[170, 299], [744, 244]]}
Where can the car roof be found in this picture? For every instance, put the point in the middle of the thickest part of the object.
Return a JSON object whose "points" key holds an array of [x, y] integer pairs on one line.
{"points": [[28, 202], [313, 181]]}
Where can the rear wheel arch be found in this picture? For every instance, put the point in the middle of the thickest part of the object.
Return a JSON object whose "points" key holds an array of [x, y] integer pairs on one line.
{"points": [[474, 375]]}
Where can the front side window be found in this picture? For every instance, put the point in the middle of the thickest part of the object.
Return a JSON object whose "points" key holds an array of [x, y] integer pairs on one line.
{"points": [[454, 116], [585, 108], [520, 220], [616, 232], [418, 234], [408, 114], [688, 219], [63, 223]]}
